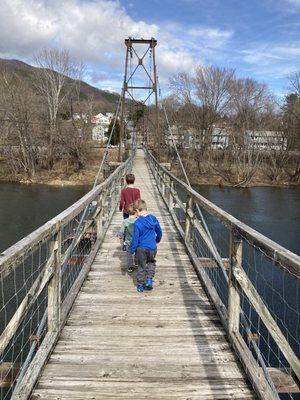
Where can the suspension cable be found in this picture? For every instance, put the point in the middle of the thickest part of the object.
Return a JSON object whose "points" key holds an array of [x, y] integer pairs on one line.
{"points": [[216, 255]]}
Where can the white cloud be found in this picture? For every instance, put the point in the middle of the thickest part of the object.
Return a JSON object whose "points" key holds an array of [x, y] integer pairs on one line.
{"points": [[214, 38], [271, 54], [294, 2], [93, 31]]}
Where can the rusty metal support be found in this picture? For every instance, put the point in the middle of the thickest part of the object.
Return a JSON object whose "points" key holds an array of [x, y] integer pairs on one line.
{"points": [[133, 90]]}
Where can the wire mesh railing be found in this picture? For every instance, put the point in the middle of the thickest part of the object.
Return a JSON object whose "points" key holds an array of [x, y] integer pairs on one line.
{"points": [[253, 282], [40, 277]]}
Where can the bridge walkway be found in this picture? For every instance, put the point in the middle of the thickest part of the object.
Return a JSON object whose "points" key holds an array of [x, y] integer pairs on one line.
{"points": [[164, 344]]}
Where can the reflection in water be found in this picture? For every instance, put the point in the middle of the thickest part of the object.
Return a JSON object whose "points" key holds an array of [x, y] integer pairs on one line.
{"points": [[273, 211], [24, 208]]}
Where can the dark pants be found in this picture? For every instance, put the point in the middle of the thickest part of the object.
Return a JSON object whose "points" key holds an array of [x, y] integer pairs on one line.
{"points": [[125, 216], [146, 264]]}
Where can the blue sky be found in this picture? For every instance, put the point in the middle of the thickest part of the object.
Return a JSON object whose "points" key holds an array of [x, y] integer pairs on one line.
{"points": [[263, 38], [259, 39]]}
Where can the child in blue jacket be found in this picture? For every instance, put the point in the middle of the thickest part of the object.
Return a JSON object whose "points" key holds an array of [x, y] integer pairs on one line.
{"points": [[146, 234]]}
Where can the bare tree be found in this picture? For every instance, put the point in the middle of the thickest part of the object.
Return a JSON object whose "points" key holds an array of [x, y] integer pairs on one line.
{"points": [[21, 116], [250, 101], [52, 80], [295, 82], [183, 87], [76, 133], [213, 91]]}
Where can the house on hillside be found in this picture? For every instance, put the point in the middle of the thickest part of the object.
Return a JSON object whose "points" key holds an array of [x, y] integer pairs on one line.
{"points": [[266, 140], [101, 123], [101, 119], [174, 134]]}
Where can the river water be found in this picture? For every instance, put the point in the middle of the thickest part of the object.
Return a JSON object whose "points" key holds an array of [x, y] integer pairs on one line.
{"points": [[23, 208], [273, 211]]}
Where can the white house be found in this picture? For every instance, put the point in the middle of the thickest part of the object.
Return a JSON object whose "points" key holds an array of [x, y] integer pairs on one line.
{"points": [[98, 133], [101, 123], [219, 139], [101, 119], [266, 140]]}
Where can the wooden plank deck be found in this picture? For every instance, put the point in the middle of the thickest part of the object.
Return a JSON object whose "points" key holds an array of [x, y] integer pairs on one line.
{"points": [[164, 344]]}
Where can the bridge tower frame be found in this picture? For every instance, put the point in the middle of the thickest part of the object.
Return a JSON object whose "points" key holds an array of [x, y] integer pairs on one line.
{"points": [[129, 89]]}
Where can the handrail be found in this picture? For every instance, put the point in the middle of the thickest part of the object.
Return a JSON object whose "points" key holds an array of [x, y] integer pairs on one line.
{"points": [[230, 291], [285, 257], [16, 251]]}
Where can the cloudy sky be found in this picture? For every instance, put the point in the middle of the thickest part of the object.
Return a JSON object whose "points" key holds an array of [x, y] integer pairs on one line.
{"points": [[258, 38]]}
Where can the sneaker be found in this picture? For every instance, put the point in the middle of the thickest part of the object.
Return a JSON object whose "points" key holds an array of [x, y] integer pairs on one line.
{"points": [[130, 269], [149, 284], [140, 288], [124, 248]]}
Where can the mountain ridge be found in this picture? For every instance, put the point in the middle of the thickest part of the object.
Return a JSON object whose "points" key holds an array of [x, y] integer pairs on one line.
{"points": [[107, 100]]}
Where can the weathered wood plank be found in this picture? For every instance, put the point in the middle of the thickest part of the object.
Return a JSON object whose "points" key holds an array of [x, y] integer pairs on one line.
{"points": [[267, 319]]}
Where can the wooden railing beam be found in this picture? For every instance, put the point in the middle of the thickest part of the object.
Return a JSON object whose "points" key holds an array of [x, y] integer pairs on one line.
{"points": [[234, 307], [54, 287]]}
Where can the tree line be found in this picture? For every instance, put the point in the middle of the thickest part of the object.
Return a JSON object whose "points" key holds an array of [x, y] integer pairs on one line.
{"points": [[37, 128], [215, 97]]}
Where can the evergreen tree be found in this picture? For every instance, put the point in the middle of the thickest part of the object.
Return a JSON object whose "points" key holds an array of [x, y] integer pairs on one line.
{"points": [[115, 139]]}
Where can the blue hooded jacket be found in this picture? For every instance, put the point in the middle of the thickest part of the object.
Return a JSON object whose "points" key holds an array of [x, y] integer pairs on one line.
{"points": [[146, 233]]}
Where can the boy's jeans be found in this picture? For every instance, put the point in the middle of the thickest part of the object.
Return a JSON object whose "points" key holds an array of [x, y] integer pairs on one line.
{"points": [[146, 264]]}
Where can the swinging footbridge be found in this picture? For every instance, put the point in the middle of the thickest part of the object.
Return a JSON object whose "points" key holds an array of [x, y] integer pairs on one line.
{"points": [[222, 322], [75, 327]]}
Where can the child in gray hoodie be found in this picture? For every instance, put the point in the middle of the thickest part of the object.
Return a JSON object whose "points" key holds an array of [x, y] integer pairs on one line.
{"points": [[126, 233]]}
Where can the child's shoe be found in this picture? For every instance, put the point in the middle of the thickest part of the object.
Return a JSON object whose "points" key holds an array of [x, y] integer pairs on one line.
{"points": [[140, 288], [149, 284], [130, 269]]}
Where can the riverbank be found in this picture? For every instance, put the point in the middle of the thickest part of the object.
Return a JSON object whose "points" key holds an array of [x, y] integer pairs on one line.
{"points": [[215, 180], [61, 174], [56, 177], [223, 179]]}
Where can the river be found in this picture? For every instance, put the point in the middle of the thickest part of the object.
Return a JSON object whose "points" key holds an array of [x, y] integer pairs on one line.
{"points": [[273, 211], [23, 208]]}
